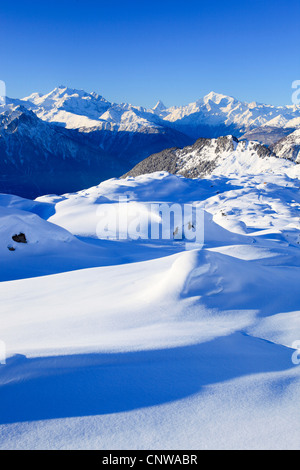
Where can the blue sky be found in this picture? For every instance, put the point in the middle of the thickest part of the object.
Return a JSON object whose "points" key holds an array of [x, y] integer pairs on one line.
{"points": [[142, 51]]}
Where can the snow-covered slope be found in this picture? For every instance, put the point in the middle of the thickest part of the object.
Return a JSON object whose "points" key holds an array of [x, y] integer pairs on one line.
{"points": [[223, 156], [49, 249], [289, 147], [157, 347]]}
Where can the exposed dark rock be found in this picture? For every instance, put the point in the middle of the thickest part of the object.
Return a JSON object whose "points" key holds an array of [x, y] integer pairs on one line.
{"points": [[263, 151], [162, 161], [21, 238], [226, 144]]}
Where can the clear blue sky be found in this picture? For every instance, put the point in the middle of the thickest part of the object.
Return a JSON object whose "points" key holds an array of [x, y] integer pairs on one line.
{"points": [[142, 51]]}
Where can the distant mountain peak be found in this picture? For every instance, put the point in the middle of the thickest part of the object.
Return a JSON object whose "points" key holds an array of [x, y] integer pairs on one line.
{"points": [[64, 90], [159, 106], [217, 97]]}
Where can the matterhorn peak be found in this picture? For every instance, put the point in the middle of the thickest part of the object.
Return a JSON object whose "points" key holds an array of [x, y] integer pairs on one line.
{"points": [[159, 106]]}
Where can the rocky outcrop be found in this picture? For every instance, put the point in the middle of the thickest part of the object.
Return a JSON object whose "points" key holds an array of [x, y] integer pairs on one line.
{"points": [[200, 159], [289, 147]]}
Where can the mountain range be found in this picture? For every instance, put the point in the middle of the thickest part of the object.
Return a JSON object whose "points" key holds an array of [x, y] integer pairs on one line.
{"points": [[69, 139]]}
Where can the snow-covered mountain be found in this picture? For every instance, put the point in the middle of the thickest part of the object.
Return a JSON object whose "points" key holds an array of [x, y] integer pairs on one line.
{"points": [[82, 138], [121, 130], [289, 147], [207, 117], [78, 137], [38, 157], [225, 154], [217, 114]]}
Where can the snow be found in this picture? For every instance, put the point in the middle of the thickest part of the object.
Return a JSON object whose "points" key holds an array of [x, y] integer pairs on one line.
{"points": [[77, 109], [289, 147], [159, 107], [142, 344], [218, 109]]}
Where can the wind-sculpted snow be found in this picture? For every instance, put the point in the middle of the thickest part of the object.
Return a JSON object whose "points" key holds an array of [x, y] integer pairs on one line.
{"points": [[152, 345]]}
